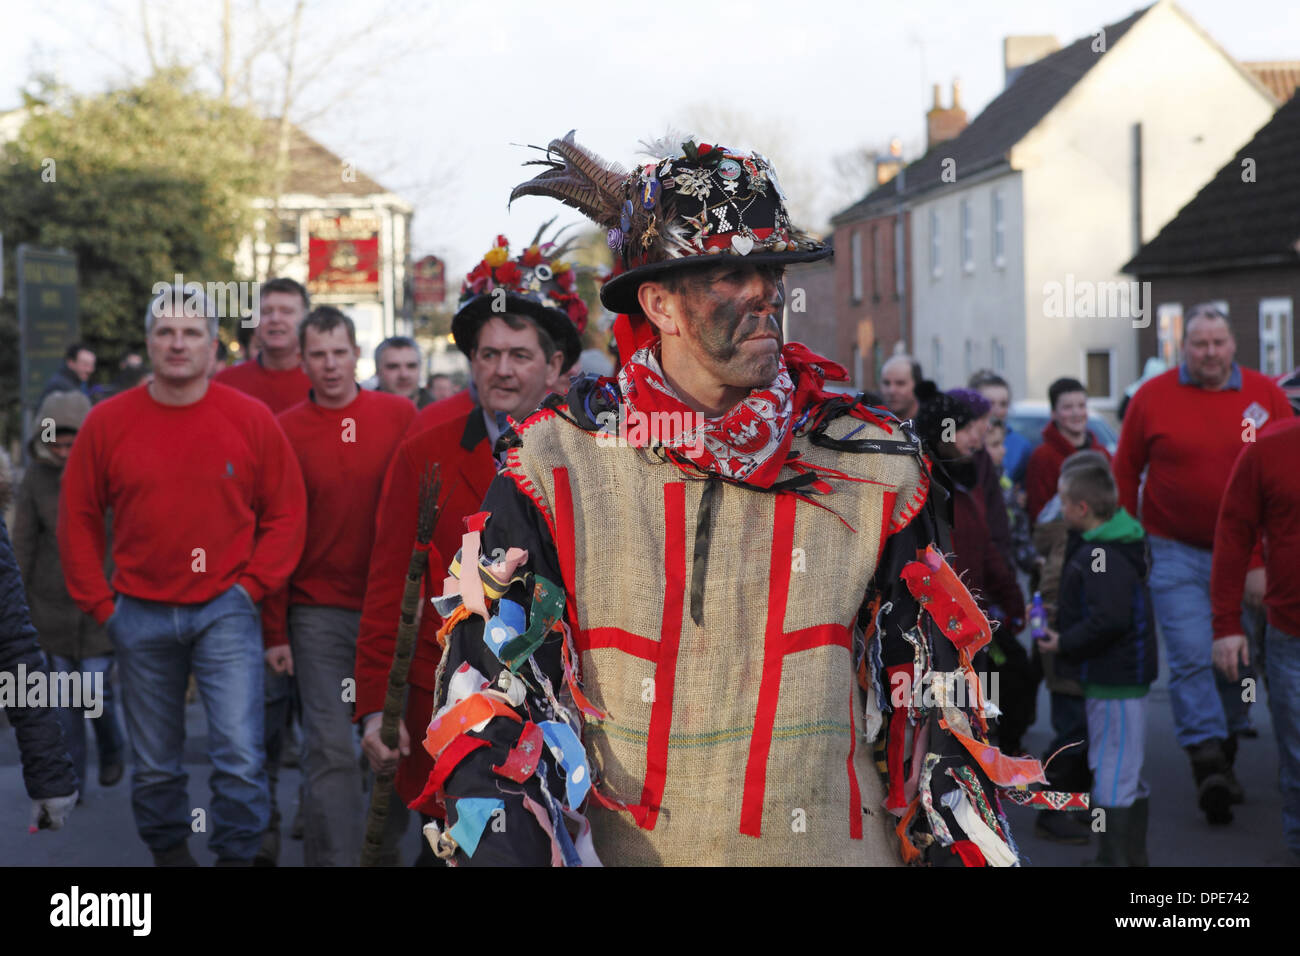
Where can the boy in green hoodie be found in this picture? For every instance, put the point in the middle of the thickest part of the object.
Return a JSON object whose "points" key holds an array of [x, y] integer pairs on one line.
{"points": [[1106, 638]]}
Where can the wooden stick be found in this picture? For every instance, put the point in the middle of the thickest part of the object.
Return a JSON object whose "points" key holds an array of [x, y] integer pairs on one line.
{"points": [[395, 698]]}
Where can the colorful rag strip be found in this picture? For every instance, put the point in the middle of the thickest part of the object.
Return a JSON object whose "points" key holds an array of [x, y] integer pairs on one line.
{"points": [[995, 850], [1051, 799], [1003, 770], [469, 714], [521, 762], [965, 778], [546, 610], [472, 817], [937, 826], [567, 750], [937, 588]]}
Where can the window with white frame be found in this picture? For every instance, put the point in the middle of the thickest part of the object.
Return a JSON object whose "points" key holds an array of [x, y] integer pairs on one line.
{"points": [[999, 230], [936, 262], [967, 237], [1099, 374], [998, 354], [1275, 336], [855, 256], [1169, 332]]}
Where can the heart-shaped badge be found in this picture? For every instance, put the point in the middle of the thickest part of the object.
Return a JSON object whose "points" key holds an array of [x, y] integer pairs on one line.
{"points": [[742, 244]]}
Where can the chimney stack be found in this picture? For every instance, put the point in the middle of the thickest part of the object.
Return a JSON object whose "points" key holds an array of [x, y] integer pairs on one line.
{"points": [[1020, 51], [942, 124]]}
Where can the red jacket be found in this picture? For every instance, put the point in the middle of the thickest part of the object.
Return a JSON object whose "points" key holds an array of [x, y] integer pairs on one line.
{"points": [[1263, 494], [453, 407], [461, 447], [1187, 439], [344, 454], [1045, 466], [204, 496]]}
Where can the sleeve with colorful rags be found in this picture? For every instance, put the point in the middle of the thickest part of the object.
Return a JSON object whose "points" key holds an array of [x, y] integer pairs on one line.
{"points": [[509, 766], [927, 712]]}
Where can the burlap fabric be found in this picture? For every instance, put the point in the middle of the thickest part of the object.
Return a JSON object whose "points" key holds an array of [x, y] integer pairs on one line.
{"points": [[692, 708]]}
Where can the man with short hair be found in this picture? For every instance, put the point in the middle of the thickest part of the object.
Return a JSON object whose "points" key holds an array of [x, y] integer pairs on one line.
{"points": [[899, 377], [691, 584], [516, 358], [397, 366], [74, 376], [274, 375], [997, 391], [1185, 429], [441, 386], [344, 438], [208, 518], [1066, 433]]}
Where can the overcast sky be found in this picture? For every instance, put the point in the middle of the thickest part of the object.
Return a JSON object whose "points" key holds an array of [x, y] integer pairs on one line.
{"points": [[820, 77]]}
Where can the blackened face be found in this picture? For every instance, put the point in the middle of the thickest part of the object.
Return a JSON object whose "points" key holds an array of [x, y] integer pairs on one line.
{"points": [[732, 316]]}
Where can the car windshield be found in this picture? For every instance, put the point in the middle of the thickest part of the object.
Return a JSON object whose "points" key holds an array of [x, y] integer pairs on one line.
{"points": [[1030, 424]]}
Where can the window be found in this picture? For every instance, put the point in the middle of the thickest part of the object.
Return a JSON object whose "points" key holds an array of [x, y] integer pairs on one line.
{"points": [[899, 252], [1136, 177], [1097, 375], [999, 231], [287, 230], [857, 368], [1169, 332], [936, 265], [1275, 336], [877, 260], [970, 358], [877, 359], [998, 354], [967, 238], [855, 255], [936, 356]]}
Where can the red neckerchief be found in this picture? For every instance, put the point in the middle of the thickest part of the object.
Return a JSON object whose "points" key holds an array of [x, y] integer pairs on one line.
{"points": [[749, 443]]}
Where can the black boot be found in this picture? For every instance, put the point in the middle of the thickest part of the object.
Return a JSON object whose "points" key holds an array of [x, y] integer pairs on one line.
{"points": [[1137, 834], [1059, 826], [1235, 793], [1113, 839], [178, 855], [1213, 791]]}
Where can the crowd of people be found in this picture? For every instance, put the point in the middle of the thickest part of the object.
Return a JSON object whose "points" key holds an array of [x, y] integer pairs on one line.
{"points": [[246, 531]]}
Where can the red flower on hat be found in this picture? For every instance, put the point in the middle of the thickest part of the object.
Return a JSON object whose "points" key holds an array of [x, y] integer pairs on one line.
{"points": [[475, 281], [565, 280], [509, 274], [532, 256], [576, 309], [503, 241], [703, 148]]}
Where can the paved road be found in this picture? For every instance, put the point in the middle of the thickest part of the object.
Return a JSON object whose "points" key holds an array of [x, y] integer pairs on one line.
{"points": [[101, 832]]}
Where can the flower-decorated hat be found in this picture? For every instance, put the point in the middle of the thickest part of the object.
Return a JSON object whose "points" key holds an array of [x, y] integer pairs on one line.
{"points": [[683, 210], [538, 284]]}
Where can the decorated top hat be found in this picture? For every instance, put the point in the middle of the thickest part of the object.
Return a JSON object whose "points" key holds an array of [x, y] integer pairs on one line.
{"points": [[681, 211], [538, 284]]}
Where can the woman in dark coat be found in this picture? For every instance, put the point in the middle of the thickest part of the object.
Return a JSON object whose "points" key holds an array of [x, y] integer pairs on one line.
{"points": [[952, 426], [71, 639]]}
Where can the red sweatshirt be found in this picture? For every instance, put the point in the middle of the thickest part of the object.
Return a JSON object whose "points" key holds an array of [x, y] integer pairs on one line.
{"points": [[278, 389], [204, 496], [1263, 494], [1187, 439], [453, 406], [1044, 470], [344, 454]]}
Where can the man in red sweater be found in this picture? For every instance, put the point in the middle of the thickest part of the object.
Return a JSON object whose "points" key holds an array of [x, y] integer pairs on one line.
{"points": [[1263, 495], [208, 518], [344, 438], [1185, 428], [275, 376], [516, 358]]}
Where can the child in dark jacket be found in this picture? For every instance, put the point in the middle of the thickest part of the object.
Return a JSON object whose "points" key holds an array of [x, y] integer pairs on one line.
{"points": [[1106, 638]]}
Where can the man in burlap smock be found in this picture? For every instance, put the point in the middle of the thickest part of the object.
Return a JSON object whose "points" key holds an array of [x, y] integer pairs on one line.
{"points": [[706, 608]]}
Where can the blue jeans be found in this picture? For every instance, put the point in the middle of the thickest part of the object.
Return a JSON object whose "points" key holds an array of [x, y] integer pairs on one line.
{"points": [[1282, 665], [221, 641], [108, 736], [1206, 704]]}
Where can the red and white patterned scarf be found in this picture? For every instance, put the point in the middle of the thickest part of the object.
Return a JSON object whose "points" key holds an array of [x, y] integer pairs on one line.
{"points": [[749, 443]]}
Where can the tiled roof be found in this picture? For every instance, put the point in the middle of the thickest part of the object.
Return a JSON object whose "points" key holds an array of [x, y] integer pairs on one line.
{"points": [[316, 171], [1003, 123], [1281, 77], [1233, 222]]}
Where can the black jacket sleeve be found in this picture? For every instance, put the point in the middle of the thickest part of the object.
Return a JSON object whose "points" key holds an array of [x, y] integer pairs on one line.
{"points": [[47, 768], [1107, 605]]}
